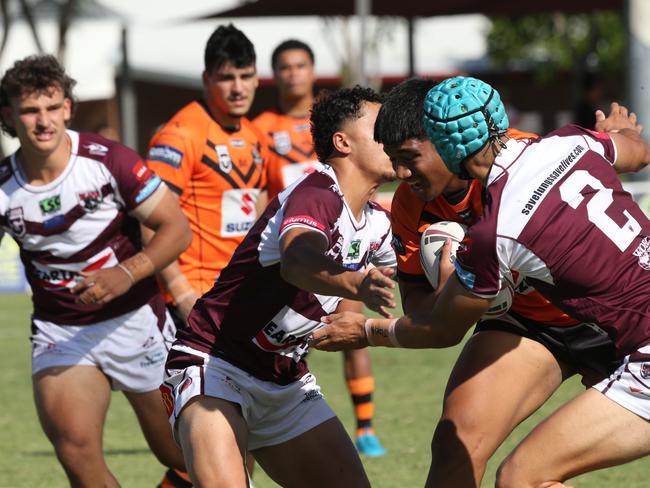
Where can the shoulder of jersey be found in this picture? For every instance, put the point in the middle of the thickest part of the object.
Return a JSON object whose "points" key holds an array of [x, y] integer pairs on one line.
{"points": [[256, 130], [188, 119], [266, 119], [96, 147]]}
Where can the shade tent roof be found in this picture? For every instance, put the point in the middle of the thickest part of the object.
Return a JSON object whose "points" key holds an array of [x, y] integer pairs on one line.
{"points": [[414, 8]]}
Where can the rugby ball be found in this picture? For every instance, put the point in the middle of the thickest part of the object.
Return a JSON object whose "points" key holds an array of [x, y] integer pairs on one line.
{"points": [[431, 242]]}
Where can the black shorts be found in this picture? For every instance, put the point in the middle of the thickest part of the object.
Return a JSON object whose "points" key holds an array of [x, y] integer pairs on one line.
{"points": [[582, 346], [176, 317]]}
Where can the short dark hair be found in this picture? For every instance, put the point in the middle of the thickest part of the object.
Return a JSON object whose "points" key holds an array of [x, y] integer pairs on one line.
{"points": [[332, 109], [228, 44], [288, 45], [37, 73], [401, 117]]}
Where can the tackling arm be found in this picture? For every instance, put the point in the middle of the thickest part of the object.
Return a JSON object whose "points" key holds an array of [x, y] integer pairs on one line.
{"points": [[305, 265]]}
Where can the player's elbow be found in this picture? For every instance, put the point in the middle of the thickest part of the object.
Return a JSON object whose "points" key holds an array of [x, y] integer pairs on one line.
{"points": [[290, 268], [182, 233]]}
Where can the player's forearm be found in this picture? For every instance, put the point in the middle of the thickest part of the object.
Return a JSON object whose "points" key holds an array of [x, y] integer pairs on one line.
{"points": [[163, 246], [412, 331], [317, 273], [634, 152]]}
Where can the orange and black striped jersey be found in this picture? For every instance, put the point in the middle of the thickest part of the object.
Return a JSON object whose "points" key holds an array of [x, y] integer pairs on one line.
{"points": [[410, 216], [218, 175], [291, 146]]}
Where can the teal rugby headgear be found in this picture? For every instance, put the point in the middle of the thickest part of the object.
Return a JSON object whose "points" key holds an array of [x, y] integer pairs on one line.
{"points": [[460, 115]]}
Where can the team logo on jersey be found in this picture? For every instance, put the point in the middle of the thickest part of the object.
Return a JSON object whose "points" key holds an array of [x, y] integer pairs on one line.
{"points": [[372, 250], [166, 154], [398, 245], [223, 155], [237, 143], [643, 253], [90, 200], [257, 157], [301, 127], [354, 249], [645, 371], [282, 142], [50, 204], [16, 221], [96, 149]]}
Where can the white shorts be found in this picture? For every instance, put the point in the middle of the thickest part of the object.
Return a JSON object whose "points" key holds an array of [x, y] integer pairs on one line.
{"points": [[629, 385], [130, 349], [274, 413]]}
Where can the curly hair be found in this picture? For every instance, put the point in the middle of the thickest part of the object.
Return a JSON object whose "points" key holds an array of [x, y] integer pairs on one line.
{"points": [[332, 109], [401, 117], [38, 73], [228, 44]]}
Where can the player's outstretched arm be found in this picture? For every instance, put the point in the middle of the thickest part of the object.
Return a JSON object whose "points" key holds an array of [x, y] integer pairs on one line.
{"points": [[632, 151], [171, 235], [444, 325], [305, 265], [455, 312]]}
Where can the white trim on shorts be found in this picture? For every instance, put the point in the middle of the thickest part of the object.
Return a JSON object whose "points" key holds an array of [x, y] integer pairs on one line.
{"points": [[273, 413], [130, 349], [629, 385]]}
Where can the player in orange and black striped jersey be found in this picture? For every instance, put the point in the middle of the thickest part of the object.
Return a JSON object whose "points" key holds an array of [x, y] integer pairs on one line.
{"points": [[511, 364], [286, 127], [215, 161], [292, 155]]}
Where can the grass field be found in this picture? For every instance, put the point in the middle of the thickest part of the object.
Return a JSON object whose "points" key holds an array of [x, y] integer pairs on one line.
{"points": [[408, 398]]}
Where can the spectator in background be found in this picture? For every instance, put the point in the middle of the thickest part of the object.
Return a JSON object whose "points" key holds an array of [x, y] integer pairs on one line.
{"points": [[72, 202], [290, 142]]}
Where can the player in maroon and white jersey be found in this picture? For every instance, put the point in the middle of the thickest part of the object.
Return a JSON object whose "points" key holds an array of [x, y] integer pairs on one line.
{"points": [[556, 214], [73, 202], [236, 377], [511, 364]]}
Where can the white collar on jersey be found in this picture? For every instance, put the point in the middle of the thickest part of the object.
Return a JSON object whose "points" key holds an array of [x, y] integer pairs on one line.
{"points": [[506, 157]]}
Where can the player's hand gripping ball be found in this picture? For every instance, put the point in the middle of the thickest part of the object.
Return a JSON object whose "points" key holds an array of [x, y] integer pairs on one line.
{"points": [[433, 238]]}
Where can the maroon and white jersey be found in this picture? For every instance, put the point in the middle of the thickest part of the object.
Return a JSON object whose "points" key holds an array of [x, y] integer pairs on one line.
{"points": [[78, 222], [256, 320], [557, 214]]}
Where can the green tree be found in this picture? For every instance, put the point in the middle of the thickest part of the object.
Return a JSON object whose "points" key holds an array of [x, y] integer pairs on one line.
{"points": [[548, 43]]}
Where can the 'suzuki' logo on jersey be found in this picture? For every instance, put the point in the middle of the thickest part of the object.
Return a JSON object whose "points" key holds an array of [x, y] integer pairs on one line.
{"points": [[302, 219], [247, 204]]}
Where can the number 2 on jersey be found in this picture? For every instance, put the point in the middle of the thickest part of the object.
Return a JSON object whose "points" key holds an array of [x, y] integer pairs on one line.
{"points": [[570, 191]]}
